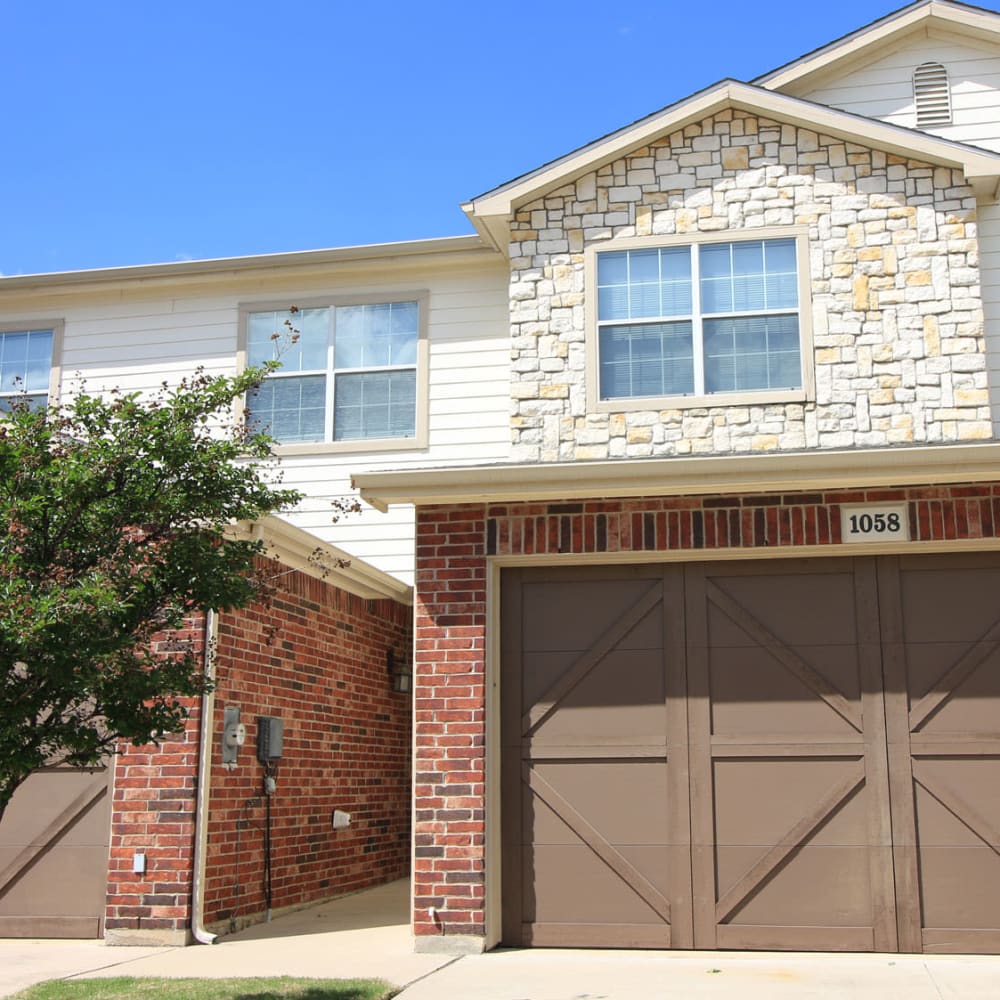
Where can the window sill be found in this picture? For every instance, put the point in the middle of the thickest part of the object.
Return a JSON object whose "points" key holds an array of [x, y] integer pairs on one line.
{"points": [[353, 447], [714, 400]]}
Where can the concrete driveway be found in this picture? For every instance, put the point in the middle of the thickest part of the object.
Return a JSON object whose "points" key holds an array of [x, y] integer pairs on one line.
{"points": [[642, 975], [368, 935]]}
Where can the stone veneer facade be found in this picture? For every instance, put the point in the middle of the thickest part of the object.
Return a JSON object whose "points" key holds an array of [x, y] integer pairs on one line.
{"points": [[898, 351]]}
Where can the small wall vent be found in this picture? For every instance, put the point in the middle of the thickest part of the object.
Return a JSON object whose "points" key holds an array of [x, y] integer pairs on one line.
{"points": [[932, 95]]}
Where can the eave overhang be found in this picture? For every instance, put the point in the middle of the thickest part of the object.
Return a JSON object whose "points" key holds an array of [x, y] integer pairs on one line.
{"points": [[299, 550], [299, 262], [706, 475], [875, 39], [491, 212]]}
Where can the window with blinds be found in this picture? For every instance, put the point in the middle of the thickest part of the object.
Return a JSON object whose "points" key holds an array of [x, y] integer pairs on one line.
{"points": [[349, 374], [25, 367], [700, 319]]}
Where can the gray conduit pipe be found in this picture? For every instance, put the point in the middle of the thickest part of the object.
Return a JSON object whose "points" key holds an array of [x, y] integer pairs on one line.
{"points": [[198, 931]]}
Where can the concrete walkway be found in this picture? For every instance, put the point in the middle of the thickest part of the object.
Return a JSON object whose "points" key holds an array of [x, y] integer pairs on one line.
{"points": [[368, 936]]}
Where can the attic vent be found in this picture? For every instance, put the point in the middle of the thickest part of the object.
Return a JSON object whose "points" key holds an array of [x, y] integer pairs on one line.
{"points": [[932, 95]]}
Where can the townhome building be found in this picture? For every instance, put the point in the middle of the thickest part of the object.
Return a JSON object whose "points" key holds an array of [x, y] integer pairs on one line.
{"points": [[681, 483]]}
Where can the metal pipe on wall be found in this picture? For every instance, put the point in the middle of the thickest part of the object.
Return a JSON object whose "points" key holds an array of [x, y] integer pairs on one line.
{"points": [[198, 930]]}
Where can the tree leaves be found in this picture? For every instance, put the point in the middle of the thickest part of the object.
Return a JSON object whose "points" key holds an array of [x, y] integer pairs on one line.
{"points": [[113, 512]]}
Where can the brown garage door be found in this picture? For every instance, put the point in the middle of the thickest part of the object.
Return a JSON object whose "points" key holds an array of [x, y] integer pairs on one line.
{"points": [[54, 855], [753, 755]]}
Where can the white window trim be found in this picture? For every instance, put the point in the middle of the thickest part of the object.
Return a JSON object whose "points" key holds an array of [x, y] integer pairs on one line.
{"points": [[55, 366], [328, 447], [751, 397]]}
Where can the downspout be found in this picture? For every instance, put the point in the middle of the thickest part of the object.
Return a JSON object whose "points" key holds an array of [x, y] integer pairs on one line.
{"points": [[198, 931]]}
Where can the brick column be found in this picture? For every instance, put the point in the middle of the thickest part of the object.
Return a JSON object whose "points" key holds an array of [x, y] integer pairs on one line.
{"points": [[450, 730], [153, 808]]}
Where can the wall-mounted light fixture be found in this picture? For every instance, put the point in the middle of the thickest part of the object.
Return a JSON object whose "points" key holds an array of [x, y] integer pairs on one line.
{"points": [[402, 679]]}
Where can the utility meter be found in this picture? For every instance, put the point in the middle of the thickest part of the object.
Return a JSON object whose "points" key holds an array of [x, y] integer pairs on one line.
{"points": [[234, 735], [270, 736]]}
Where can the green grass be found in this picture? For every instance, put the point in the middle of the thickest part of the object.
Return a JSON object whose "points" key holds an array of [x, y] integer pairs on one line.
{"points": [[271, 988]]}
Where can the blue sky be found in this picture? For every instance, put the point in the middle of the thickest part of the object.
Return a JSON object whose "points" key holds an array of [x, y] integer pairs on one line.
{"points": [[146, 131]]}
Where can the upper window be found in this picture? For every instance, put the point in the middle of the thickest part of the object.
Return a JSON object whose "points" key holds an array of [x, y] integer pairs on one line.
{"points": [[931, 95], [350, 375], [699, 319], [25, 366]]}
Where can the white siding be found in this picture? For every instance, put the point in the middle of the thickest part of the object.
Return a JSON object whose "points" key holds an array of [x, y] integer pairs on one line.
{"points": [[135, 341], [136, 345], [883, 88]]}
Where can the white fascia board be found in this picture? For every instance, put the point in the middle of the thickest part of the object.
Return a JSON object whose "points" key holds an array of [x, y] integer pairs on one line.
{"points": [[178, 271], [300, 550], [707, 475], [978, 24], [491, 211], [494, 230]]}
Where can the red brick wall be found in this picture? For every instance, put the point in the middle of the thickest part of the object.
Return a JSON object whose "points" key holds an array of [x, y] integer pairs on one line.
{"points": [[316, 658], [153, 803], [346, 746], [453, 544]]}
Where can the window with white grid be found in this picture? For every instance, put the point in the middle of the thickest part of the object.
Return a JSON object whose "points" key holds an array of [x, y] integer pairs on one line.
{"points": [[349, 373], [25, 366], [699, 319]]}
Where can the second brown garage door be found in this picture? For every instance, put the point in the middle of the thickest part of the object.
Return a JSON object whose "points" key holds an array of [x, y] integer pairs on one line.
{"points": [[800, 754], [54, 855]]}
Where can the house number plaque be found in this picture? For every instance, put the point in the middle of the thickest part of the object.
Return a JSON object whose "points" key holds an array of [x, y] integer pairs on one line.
{"points": [[885, 522]]}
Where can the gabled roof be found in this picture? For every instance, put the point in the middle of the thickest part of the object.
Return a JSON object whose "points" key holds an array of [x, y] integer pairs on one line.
{"points": [[490, 212], [859, 46]]}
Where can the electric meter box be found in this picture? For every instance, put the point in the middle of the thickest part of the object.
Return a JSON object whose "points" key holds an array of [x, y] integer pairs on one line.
{"points": [[270, 735]]}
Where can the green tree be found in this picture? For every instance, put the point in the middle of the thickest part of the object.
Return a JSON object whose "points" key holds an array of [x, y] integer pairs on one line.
{"points": [[113, 517]]}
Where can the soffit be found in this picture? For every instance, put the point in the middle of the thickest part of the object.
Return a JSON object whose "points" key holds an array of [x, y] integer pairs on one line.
{"points": [[491, 212], [303, 551], [714, 474]]}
